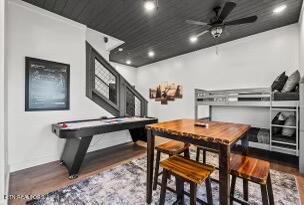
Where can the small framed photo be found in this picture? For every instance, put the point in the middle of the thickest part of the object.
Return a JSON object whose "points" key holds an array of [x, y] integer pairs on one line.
{"points": [[47, 85]]}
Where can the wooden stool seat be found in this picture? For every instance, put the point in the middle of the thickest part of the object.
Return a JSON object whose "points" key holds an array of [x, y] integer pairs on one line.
{"points": [[185, 170], [252, 169], [189, 170], [172, 147]]}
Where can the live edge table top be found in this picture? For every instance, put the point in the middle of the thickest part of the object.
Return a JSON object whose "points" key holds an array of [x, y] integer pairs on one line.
{"points": [[216, 132]]}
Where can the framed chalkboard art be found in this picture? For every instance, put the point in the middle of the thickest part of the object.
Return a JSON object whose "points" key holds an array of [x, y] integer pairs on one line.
{"points": [[47, 85]]}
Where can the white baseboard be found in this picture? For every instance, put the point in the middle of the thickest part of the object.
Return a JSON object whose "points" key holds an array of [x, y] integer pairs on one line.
{"points": [[16, 166]]}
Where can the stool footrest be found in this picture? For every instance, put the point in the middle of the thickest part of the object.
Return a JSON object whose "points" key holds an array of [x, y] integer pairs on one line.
{"points": [[208, 149], [239, 200], [185, 192], [177, 202]]}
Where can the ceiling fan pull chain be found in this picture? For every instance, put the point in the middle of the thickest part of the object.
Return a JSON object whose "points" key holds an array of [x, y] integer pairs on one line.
{"points": [[157, 4], [216, 47]]}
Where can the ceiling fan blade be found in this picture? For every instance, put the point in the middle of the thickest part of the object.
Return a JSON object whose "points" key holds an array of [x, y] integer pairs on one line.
{"points": [[199, 23], [229, 6], [250, 19], [202, 33]]}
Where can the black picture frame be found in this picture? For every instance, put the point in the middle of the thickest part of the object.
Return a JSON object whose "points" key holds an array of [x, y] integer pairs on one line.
{"points": [[43, 80]]}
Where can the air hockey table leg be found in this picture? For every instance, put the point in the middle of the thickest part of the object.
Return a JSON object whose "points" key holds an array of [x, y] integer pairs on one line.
{"points": [[138, 134], [71, 177], [73, 154]]}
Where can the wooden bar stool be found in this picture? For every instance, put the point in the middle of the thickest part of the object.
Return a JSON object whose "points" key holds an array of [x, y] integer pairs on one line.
{"points": [[254, 170], [170, 148], [185, 170]]}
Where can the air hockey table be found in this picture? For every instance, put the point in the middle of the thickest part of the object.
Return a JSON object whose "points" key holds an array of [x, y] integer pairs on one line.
{"points": [[78, 135]]}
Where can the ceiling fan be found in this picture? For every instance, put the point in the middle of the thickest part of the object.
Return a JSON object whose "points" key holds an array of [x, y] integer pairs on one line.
{"points": [[217, 24]]}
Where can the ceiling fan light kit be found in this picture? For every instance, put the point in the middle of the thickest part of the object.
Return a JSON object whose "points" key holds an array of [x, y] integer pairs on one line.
{"points": [[216, 31]]}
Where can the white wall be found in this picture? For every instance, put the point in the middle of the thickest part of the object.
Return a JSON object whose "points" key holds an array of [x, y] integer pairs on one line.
{"points": [[97, 39], [301, 39], [3, 114], [127, 72], [2, 134], [37, 33], [250, 62]]}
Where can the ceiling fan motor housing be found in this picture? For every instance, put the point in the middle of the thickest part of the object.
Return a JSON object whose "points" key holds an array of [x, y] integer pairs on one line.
{"points": [[216, 31]]}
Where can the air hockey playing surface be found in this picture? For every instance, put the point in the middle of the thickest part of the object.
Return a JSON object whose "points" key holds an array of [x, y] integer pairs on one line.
{"points": [[91, 127]]}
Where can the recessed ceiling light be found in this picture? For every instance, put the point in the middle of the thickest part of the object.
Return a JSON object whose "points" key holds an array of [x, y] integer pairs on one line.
{"points": [[151, 54], [120, 49], [149, 5], [193, 39], [128, 62], [279, 9]]}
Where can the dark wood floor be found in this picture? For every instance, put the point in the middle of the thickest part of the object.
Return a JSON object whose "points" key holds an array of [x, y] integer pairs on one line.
{"points": [[52, 176]]}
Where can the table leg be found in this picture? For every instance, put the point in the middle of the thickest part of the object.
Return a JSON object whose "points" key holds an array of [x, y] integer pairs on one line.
{"points": [[224, 174], [150, 162], [245, 144]]}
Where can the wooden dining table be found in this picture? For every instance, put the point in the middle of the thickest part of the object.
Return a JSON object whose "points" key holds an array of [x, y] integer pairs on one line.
{"points": [[219, 135]]}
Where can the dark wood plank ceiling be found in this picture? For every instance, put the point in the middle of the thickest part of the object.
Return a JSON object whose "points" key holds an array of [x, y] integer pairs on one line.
{"points": [[165, 31]]}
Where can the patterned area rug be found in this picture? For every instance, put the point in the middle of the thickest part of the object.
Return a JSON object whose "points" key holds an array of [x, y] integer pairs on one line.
{"points": [[126, 184]]}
